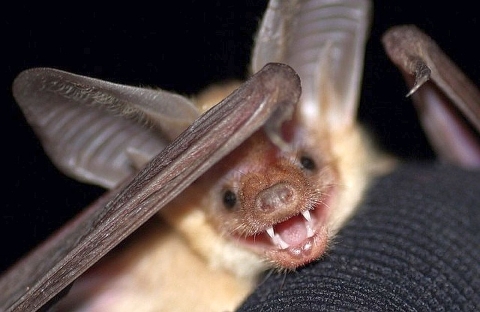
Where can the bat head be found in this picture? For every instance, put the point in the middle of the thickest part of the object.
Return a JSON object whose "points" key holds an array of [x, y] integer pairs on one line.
{"points": [[273, 200]]}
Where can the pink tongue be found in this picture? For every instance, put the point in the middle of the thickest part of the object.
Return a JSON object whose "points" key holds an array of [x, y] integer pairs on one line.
{"points": [[292, 231]]}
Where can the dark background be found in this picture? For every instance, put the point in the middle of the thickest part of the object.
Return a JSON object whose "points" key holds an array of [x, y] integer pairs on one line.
{"points": [[182, 47]]}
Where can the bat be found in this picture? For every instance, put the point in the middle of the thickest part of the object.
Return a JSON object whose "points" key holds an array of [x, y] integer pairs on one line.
{"points": [[349, 117]]}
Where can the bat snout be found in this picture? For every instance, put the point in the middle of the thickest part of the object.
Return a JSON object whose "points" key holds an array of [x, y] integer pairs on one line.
{"points": [[279, 197], [272, 196]]}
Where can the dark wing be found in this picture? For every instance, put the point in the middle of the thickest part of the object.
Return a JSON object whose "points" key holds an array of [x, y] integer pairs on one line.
{"points": [[448, 103], [55, 264]]}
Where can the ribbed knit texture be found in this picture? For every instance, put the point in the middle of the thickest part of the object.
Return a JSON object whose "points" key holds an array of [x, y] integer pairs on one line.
{"points": [[414, 245]]}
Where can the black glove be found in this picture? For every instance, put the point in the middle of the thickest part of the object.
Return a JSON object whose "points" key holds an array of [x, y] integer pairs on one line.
{"points": [[413, 245]]}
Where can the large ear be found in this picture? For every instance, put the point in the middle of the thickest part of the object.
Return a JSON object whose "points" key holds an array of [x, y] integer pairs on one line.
{"points": [[324, 41], [447, 102], [94, 130]]}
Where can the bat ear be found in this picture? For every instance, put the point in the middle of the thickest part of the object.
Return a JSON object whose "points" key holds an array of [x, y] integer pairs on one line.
{"points": [[324, 43], [87, 126], [447, 102]]}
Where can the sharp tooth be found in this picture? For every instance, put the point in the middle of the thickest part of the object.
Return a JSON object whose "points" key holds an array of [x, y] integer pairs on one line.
{"points": [[280, 242], [271, 232], [306, 215], [310, 231]]}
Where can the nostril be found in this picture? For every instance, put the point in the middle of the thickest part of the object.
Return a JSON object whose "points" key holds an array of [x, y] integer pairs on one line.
{"points": [[276, 197]]}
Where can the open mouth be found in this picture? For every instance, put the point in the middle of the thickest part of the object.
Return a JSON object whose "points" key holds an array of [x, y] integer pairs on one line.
{"points": [[294, 242]]}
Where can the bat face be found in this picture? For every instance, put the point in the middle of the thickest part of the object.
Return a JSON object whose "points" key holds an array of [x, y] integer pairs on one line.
{"points": [[270, 200]]}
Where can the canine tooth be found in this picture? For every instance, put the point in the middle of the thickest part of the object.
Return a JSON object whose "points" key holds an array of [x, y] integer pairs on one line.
{"points": [[306, 215], [310, 231], [280, 242], [271, 232]]}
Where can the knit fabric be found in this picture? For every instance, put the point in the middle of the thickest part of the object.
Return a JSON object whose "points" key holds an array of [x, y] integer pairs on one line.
{"points": [[414, 245]]}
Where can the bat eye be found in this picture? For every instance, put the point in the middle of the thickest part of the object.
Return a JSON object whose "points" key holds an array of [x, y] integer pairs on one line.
{"points": [[229, 199], [307, 163]]}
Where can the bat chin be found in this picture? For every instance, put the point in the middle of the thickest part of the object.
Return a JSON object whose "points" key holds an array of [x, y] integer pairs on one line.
{"points": [[294, 242]]}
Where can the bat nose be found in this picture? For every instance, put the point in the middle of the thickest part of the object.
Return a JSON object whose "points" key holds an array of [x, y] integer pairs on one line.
{"points": [[278, 197]]}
